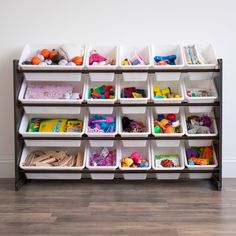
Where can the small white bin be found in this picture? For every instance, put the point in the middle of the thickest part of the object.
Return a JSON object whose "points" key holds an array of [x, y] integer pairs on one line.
{"points": [[138, 85], [111, 53], [126, 152], [199, 111], [167, 50], [141, 116], [103, 174], [200, 143], [127, 52], [54, 146], [166, 110], [207, 85], [51, 113], [167, 148], [207, 52], [94, 84], [78, 87], [31, 50], [113, 114], [175, 87]]}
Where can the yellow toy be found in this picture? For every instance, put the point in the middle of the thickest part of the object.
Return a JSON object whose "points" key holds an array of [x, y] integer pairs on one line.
{"points": [[74, 126], [53, 125], [126, 162]]}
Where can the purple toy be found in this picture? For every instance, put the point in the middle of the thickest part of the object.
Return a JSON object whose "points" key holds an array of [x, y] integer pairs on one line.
{"points": [[205, 120], [190, 152], [103, 157]]}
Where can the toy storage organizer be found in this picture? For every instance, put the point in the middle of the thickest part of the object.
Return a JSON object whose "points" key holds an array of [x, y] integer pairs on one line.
{"points": [[179, 78]]}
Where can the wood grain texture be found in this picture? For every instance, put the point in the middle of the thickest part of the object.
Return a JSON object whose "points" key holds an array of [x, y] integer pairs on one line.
{"points": [[166, 208]]}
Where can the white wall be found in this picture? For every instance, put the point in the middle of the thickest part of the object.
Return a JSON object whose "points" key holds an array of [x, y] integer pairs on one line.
{"points": [[109, 22]]}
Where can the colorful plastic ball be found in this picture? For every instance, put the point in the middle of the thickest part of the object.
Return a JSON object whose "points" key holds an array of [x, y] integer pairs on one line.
{"points": [[157, 129], [63, 62], [144, 164], [171, 117], [164, 122], [35, 60], [169, 129], [160, 117], [48, 61], [191, 163], [71, 64]]}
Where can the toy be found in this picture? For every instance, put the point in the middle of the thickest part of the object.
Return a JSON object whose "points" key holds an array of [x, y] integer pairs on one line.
{"points": [[164, 93], [102, 92], [200, 124], [166, 124], [54, 91], [200, 155], [35, 60], [134, 160], [136, 60], [125, 62], [53, 125], [54, 158], [103, 157], [133, 92], [165, 60], [198, 93], [101, 124], [34, 125], [78, 60], [64, 55], [166, 160], [132, 126], [74, 126], [193, 55]]}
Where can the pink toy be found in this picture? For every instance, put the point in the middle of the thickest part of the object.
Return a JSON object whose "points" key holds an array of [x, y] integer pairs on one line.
{"points": [[136, 157], [109, 119], [96, 57]]}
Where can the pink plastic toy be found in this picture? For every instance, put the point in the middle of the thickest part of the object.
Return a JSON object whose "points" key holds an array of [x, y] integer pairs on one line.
{"points": [[109, 119], [96, 57], [136, 157]]}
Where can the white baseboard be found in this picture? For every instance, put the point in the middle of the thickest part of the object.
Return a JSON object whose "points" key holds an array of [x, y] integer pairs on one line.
{"points": [[7, 168]]}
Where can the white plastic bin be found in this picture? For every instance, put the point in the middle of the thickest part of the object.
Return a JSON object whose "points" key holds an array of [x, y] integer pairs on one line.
{"points": [[126, 152], [166, 110], [111, 53], [207, 52], [31, 50], [139, 85], [78, 87], [50, 113], [200, 143], [199, 111], [93, 84], [207, 85], [113, 114], [175, 87], [127, 52], [96, 145], [166, 148], [167, 50], [139, 116], [43, 146]]}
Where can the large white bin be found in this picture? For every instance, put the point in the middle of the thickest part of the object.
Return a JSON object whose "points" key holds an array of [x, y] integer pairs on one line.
{"points": [[91, 149], [55, 145], [165, 148], [200, 143], [50, 113], [126, 152]]}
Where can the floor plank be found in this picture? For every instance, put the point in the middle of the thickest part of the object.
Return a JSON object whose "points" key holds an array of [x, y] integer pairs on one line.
{"points": [[106, 208]]}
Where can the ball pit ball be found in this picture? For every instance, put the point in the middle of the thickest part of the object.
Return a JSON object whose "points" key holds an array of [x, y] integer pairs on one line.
{"points": [[157, 129], [171, 117], [63, 62], [35, 60], [45, 52], [41, 57], [78, 60], [169, 129]]}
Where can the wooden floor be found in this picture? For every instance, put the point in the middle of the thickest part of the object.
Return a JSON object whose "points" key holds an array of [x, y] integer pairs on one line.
{"points": [[98, 208]]}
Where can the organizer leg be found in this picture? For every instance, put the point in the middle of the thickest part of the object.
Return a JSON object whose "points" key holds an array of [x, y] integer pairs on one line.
{"points": [[216, 182]]}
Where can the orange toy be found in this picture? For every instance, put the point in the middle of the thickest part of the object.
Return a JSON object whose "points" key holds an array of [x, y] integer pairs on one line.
{"points": [[199, 161], [45, 53], [35, 60], [78, 60], [207, 153], [169, 129], [53, 53]]}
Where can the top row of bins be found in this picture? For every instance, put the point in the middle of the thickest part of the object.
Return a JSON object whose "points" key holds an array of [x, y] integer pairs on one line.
{"points": [[119, 53]]}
